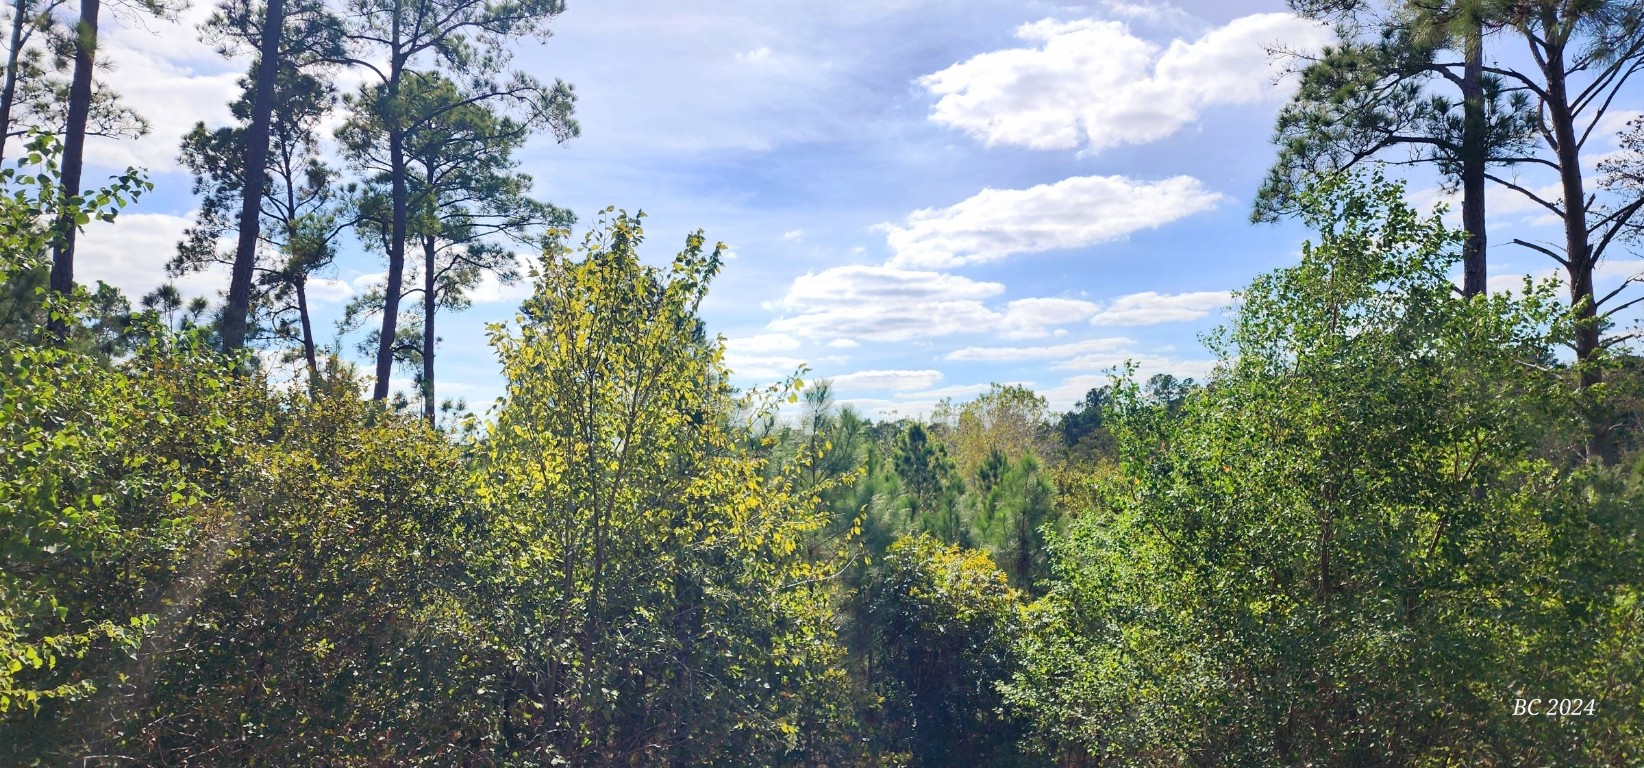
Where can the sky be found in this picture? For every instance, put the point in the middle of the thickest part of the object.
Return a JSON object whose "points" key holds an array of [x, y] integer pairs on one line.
{"points": [[919, 197]]}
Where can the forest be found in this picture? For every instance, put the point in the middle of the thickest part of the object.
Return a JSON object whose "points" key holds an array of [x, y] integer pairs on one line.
{"points": [[1401, 506]]}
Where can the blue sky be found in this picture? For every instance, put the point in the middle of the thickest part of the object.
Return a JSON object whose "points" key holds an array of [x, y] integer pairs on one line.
{"points": [[920, 197]]}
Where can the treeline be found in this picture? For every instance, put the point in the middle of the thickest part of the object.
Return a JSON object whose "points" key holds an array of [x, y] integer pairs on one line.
{"points": [[1394, 508], [1368, 532]]}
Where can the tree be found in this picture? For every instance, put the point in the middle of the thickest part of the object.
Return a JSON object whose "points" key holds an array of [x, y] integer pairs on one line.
{"points": [[654, 603], [405, 40], [1582, 54], [1009, 417], [304, 207], [940, 623], [465, 196], [1012, 517], [1585, 53], [1338, 552], [34, 95], [33, 204], [1372, 93], [238, 305], [924, 468], [80, 102]]}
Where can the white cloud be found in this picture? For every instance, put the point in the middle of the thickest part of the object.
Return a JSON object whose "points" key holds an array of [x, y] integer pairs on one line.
{"points": [[492, 290], [163, 71], [793, 234], [881, 380], [882, 303], [1094, 84], [1033, 318], [368, 281], [844, 344], [1053, 352], [1151, 308], [328, 290], [1153, 12], [762, 343], [762, 366], [1072, 213], [1619, 269], [1614, 122], [131, 255]]}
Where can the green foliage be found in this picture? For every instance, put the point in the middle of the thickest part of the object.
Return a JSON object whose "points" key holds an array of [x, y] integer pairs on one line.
{"points": [[652, 601], [94, 503], [1008, 418], [1011, 516], [324, 606], [1351, 548], [1372, 94], [925, 470], [31, 200], [940, 622]]}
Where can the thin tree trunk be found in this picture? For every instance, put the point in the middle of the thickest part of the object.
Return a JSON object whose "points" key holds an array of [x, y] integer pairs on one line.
{"points": [[8, 93], [303, 318], [251, 193], [396, 244], [1473, 156], [428, 305], [1578, 251], [74, 149]]}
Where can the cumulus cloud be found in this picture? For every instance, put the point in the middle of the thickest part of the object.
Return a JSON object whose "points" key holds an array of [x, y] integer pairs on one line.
{"points": [[881, 380], [163, 71], [957, 392], [1052, 352], [761, 343], [1075, 212], [1151, 308], [882, 303], [327, 290], [1034, 318], [762, 366], [131, 255], [1092, 83]]}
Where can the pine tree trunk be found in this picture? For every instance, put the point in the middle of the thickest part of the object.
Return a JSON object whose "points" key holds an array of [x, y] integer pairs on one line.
{"points": [[251, 192], [8, 93], [1578, 251], [307, 323], [428, 306], [1474, 153], [74, 149], [396, 243]]}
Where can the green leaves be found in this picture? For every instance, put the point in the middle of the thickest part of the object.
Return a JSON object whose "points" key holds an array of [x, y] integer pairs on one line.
{"points": [[1355, 515], [648, 560]]}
